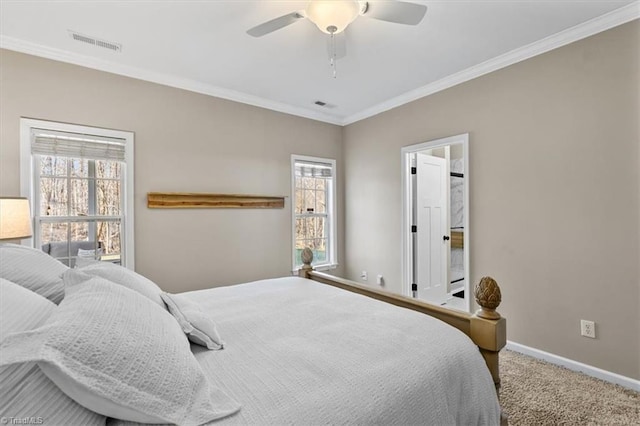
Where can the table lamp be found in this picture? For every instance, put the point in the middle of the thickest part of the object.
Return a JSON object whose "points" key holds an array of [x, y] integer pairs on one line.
{"points": [[15, 219]]}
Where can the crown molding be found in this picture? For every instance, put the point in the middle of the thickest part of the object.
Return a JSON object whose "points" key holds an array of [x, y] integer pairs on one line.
{"points": [[11, 43], [602, 23]]}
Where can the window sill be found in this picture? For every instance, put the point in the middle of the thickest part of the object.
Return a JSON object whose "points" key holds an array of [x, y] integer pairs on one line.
{"points": [[323, 267]]}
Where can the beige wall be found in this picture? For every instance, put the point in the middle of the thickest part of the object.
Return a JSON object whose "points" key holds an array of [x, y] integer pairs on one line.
{"points": [[183, 142], [554, 193], [554, 182]]}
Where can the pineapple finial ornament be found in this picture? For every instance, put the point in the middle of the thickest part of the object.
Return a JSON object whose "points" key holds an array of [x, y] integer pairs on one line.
{"points": [[306, 256], [488, 296]]}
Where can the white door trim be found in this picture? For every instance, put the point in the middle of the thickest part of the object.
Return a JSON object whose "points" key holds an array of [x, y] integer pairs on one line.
{"points": [[407, 260]]}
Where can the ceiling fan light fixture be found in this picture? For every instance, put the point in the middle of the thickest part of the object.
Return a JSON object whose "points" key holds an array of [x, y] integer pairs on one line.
{"points": [[333, 16]]}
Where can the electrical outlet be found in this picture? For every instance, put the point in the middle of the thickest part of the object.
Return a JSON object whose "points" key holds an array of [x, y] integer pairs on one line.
{"points": [[380, 280], [364, 275], [588, 328]]}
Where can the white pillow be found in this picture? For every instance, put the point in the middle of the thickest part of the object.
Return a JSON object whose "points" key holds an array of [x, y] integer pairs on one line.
{"points": [[120, 355], [25, 391], [21, 309], [32, 269], [91, 254], [197, 325], [123, 276], [81, 262]]}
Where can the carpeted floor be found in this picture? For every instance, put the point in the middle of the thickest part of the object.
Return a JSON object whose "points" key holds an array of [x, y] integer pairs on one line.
{"points": [[535, 392]]}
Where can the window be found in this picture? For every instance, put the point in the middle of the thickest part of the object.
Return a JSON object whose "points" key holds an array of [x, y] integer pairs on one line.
{"points": [[313, 204], [80, 187]]}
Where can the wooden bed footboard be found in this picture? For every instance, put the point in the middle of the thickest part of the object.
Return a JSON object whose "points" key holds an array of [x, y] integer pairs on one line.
{"points": [[486, 328]]}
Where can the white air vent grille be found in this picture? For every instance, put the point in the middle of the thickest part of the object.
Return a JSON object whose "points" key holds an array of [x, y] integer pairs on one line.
{"points": [[116, 47], [323, 104]]}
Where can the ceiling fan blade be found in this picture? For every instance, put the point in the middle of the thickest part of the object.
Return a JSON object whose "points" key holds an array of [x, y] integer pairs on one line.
{"points": [[396, 11], [275, 24], [339, 43]]}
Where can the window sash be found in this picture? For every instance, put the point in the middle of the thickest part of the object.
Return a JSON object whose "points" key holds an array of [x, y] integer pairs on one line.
{"points": [[327, 235], [55, 219], [91, 218], [326, 231], [107, 252], [90, 179], [303, 215]]}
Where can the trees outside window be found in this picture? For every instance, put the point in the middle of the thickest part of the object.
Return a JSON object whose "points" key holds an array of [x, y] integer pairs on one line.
{"points": [[80, 200]]}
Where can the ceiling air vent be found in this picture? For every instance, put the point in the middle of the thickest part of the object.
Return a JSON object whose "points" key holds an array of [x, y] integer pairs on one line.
{"points": [[324, 104], [116, 47]]}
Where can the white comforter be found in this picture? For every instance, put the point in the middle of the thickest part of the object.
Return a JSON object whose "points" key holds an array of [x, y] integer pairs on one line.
{"points": [[305, 353]]}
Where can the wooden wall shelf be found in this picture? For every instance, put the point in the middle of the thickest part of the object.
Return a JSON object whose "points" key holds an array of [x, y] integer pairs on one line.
{"points": [[187, 200]]}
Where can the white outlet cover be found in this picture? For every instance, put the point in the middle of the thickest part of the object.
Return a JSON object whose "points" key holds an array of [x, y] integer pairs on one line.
{"points": [[588, 329]]}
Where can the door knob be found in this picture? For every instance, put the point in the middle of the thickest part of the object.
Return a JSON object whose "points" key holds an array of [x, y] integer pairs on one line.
{"points": [[445, 238]]}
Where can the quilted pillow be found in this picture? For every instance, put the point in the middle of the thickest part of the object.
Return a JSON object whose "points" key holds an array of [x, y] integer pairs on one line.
{"points": [[123, 276], [196, 324], [21, 309], [32, 269], [25, 391], [119, 354]]}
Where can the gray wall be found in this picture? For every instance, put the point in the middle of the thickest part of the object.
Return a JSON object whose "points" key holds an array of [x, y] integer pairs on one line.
{"points": [[183, 142], [554, 193]]}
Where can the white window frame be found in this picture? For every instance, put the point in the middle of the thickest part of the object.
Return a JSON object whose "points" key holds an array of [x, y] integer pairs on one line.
{"points": [[332, 258], [27, 170]]}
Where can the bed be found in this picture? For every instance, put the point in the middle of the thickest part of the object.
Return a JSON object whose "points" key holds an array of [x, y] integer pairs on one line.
{"points": [[293, 350]]}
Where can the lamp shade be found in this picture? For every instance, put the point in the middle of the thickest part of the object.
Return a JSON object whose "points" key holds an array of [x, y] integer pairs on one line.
{"points": [[332, 16], [15, 219]]}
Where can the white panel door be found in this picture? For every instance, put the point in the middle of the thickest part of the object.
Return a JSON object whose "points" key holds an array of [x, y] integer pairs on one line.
{"points": [[432, 214]]}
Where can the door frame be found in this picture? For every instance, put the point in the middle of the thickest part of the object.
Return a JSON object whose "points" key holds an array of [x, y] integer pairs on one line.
{"points": [[407, 249]]}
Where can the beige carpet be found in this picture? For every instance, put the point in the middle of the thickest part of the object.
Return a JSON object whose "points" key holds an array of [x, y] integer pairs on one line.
{"points": [[538, 393]]}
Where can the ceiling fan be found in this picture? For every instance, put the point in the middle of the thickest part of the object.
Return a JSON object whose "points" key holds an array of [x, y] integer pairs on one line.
{"points": [[333, 16]]}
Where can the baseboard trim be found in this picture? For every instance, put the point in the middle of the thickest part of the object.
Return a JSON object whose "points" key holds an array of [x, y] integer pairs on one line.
{"points": [[589, 370]]}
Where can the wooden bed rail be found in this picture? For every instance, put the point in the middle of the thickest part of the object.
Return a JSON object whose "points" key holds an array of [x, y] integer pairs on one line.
{"points": [[486, 327]]}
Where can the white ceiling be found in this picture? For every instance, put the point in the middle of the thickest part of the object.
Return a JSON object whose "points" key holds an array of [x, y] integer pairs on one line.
{"points": [[203, 46]]}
